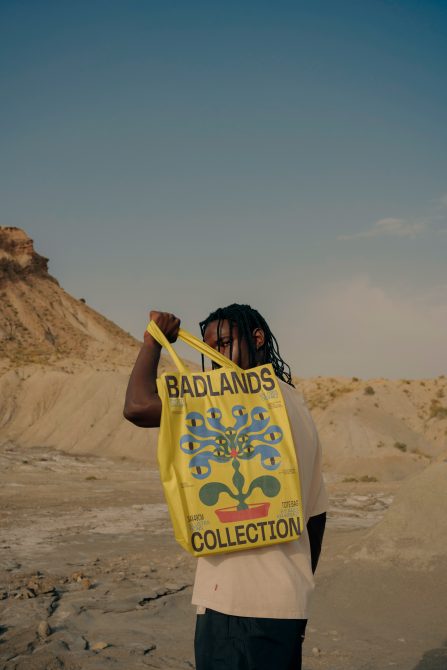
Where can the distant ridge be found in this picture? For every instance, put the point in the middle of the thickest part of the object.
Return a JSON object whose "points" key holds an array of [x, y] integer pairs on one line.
{"points": [[65, 370]]}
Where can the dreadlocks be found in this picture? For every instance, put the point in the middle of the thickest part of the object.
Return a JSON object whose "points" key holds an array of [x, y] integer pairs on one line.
{"points": [[247, 320]]}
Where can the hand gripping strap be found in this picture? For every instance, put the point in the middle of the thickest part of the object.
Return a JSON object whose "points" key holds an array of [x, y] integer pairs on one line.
{"points": [[193, 342], [161, 338]]}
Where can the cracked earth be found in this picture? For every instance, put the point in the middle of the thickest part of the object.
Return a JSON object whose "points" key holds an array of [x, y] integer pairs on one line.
{"points": [[92, 578]]}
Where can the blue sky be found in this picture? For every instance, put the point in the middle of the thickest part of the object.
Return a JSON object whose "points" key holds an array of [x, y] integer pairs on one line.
{"points": [[292, 155]]}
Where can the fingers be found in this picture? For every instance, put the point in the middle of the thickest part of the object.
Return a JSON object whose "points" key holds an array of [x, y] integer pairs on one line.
{"points": [[168, 323]]}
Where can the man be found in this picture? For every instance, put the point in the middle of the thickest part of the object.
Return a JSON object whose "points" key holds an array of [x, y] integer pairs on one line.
{"points": [[252, 605]]}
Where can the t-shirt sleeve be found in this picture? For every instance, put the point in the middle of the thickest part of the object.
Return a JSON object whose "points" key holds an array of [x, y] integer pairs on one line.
{"points": [[318, 500]]}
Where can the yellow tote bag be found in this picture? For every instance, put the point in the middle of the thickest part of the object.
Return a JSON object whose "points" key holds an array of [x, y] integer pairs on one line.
{"points": [[227, 460]]}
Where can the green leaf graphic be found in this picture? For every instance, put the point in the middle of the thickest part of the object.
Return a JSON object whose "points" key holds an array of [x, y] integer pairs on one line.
{"points": [[270, 486], [209, 493]]}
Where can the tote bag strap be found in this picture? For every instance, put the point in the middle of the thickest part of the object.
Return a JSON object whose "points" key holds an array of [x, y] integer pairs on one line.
{"points": [[193, 342], [206, 350]]}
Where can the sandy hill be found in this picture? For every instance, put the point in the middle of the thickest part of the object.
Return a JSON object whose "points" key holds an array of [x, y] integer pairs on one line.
{"points": [[65, 369], [414, 530], [40, 322], [379, 428]]}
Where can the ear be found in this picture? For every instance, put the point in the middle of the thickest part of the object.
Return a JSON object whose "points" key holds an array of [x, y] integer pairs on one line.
{"points": [[258, 338]]}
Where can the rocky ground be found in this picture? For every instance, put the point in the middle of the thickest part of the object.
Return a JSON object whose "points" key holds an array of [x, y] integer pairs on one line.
{"points": [[91, 577]]}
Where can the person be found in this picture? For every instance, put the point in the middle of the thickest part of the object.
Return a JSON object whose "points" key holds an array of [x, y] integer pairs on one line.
{"points": [[252, 605]]}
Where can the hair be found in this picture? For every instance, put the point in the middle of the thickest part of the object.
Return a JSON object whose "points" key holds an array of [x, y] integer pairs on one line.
{"points": [[247, 320]]}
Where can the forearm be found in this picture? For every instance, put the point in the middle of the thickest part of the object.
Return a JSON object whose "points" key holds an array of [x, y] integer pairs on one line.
{"points": [[142, 405], [315, 528]]}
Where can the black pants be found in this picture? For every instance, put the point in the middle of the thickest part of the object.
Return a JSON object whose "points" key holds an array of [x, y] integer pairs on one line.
{"points": [[224, 642]]}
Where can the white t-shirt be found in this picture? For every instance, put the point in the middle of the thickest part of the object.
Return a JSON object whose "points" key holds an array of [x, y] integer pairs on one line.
{"points": [[276, 581]]}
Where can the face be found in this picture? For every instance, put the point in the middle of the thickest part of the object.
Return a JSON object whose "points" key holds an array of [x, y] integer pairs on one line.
{"points": [[223, 338]]}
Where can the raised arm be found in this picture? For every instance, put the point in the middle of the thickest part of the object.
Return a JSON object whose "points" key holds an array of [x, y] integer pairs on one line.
{"points": [[143, 405]]}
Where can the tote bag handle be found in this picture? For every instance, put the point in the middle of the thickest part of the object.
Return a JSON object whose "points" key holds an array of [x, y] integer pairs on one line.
{"points": [[193, 342]]}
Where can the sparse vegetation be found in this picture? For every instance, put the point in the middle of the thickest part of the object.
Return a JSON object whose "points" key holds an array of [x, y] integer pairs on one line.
{"points": [[438, 412], [368, 478], [355, 379], [369, 390], [90, 478], [321, 396], [401, 446], [380, 444]]}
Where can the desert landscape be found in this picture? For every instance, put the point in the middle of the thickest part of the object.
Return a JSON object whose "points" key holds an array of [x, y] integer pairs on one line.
{"points": [[90, 575]]}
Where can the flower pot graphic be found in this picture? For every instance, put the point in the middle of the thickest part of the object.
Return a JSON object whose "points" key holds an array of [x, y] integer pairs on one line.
{"points": [[254, 511], [209, 441]]}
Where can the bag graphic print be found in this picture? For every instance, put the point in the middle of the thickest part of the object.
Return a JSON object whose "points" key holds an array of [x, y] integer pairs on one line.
{"points": [[226, 455]]}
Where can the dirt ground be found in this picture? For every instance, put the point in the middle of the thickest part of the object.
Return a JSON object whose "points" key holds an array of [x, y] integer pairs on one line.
{"points": [[91, 577]]}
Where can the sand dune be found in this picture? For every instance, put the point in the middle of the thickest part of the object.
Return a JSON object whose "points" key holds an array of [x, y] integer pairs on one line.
{"points": [[378, 428], [79, 412], [66, 367], [78, 408], [413, 531]]}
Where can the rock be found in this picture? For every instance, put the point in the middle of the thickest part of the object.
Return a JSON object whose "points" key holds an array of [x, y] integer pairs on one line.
{"points": [[13, 566], [77, 643], [316, 651], [147, 650], [25, 593], [98, 646], [20, 259], [43, 630], [86, 583], [141, 649], [41, 585], [77, 576], [33, 586]]}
